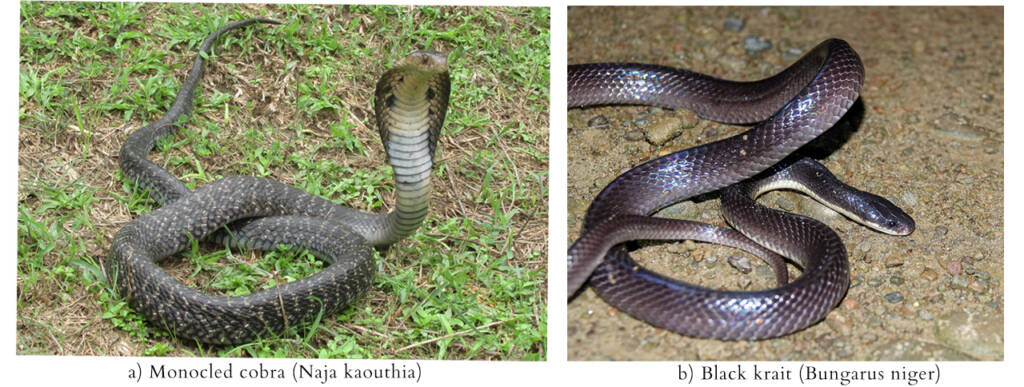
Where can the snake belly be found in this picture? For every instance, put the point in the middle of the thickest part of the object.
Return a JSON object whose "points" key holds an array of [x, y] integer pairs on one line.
{"points": [[813, 94], [411, 102]]}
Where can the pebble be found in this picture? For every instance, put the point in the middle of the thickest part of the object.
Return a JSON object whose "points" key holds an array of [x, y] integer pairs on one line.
{"points": [[896, 280], [869, 337], [839, 323], [959, 282], [978, 286], [743, 282], [909, 198], [733, 63], [986, 97], [929, 275], [741, 263], [956, 126], [954, 267], [599, 122], [894, 297], [975, 333], [926, 315], [850, 304], [893, 261], [634, 135], [698, 255], [755, 44], [874, 282], [689, 245], [980, 273], [665, 129], [785, 204], [681, 210], [765, 272], [919, 46], [992, 146], [734, 24], [865, 247]]}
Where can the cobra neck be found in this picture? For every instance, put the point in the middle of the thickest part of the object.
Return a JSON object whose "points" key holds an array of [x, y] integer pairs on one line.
{"points": [[409, 154]]}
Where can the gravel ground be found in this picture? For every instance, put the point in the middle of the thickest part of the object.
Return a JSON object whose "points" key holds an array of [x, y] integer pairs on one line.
{"points": [[927, 134]]}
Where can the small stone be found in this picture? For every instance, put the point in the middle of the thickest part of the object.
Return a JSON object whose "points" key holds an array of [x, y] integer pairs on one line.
{"points": [[634, 135], [909, 198], [930, 275], [712, 259], [755, 44], [741, 263], [850, 304], [920, 46], [839, 323], [689, 244], [986, 97], [896, 280], [734, 24], [869, 337], [925, 315], [980, 273], [957, 127], [959, 282], [743, 282], [698, 255], [874, 282], [733, 63], [894, 297], [599, 122], [785, 204], [764, 272], [893, 261], [865, 247], [954, 267], [665, 129], [978, 286]]}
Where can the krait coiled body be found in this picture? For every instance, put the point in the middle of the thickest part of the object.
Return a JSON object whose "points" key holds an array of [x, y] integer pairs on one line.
{"points": [[410, 106], [793, 107]]}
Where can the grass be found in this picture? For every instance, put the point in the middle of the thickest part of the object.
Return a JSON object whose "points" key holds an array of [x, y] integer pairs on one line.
{"points": [[290, 103]]}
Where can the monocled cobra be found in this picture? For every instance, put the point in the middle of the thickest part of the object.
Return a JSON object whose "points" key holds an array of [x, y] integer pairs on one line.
{"points": [[793, 107], [411, 101]]}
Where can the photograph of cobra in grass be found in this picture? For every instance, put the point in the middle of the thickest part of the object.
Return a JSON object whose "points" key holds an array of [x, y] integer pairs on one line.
{"points": [[298, 181], [841, 113]]}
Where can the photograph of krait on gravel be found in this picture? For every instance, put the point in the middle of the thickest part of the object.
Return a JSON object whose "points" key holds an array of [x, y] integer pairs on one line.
{"points": [[283, 181], [909, 268]]}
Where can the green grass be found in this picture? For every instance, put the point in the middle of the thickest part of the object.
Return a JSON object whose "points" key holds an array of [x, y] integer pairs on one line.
{"points": [[290, 103]]}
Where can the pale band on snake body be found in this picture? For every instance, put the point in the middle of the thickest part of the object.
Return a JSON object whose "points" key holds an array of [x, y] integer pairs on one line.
{"points": [[792, 108], [411, 102]]}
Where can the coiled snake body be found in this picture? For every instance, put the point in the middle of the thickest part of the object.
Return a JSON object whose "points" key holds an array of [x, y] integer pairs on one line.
{"points": [[411, 102], [793, 107]]}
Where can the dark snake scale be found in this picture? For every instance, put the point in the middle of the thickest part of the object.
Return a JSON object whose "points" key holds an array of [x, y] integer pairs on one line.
{"points": [[792, 108], [411, 101]]}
